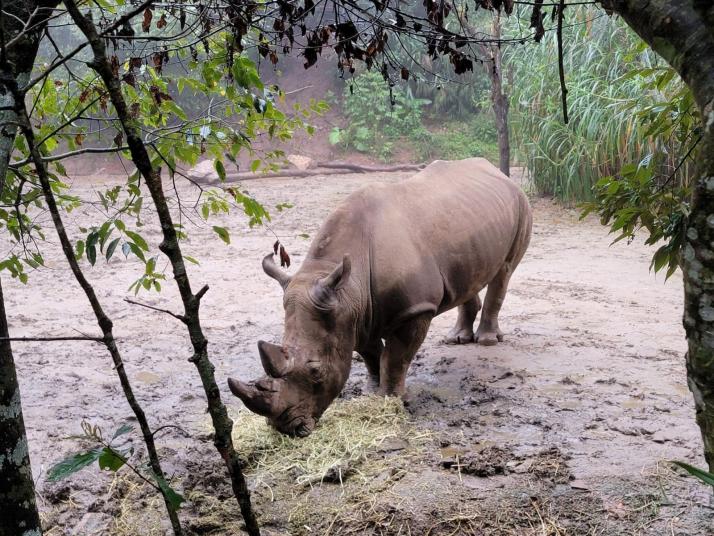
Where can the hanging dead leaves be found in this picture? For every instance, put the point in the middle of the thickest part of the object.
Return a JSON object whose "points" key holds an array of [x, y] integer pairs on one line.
{"points": [[284, 257], [537, 20], [146, 22], [158, 95]]}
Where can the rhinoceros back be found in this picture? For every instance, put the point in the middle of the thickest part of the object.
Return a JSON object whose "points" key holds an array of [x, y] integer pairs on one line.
{"points": [[432, 241]]}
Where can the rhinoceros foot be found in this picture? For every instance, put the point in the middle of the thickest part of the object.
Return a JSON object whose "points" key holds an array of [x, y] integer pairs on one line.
{"points": [[488, 337], [459, 336]]}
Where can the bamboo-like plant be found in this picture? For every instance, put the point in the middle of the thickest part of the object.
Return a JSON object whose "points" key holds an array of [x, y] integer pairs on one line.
{"points": [[608, 73]]}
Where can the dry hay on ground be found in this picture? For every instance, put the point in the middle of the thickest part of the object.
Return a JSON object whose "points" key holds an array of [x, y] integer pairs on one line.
{"points": [[347, 444]]}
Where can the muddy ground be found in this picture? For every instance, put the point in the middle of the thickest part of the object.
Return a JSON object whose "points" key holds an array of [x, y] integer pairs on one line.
{"points": [[564, 428]]}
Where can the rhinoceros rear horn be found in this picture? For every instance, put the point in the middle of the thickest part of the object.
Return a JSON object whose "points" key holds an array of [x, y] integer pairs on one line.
{"points": [[340, 275], [270, 268], [274, 359], [258, 401]]}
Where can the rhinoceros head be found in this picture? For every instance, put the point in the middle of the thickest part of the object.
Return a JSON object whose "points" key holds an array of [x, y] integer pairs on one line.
{"points": [[306, 373]]}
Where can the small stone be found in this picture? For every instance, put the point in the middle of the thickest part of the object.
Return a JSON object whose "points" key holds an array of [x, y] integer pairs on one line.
{"points": [[393, 444], [663, 436], [299, 161]]}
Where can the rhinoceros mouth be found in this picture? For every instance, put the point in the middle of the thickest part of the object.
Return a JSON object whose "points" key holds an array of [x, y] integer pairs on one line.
{"points": [[294, 427]]}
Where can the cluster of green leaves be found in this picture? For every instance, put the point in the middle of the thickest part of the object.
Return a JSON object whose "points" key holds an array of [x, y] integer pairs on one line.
{"points": [[378, 116], [111, 456], [653, 195], [229, 106], [632, 201], [633, 124], [566, 160]]}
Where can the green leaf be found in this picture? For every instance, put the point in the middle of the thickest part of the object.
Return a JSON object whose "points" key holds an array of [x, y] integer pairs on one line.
{"points": [[220, 170], [136, 250], [73, 464], [138, 240], [172, 496], [111, 460], [92, 254], [123, 429], [79, 250], [150, 266], [222, 232], [92, 239], [335, 136], [111, 247], [704, 476], [191, 259]]}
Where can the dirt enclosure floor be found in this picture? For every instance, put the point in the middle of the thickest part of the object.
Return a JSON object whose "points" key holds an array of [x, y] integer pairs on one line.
{"points": [[565, 428]]}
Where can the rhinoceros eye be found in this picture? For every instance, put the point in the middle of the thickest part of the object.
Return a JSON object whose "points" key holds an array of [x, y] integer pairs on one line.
{"points": [[316, 371]]}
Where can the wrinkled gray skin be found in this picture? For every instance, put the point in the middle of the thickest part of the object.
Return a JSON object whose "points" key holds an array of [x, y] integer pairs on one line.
{"points": [[387, 260]]}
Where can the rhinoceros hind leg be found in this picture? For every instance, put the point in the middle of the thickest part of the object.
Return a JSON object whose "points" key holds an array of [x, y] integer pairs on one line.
{"points": [[463, 331], [488, 332], [401, 346]]}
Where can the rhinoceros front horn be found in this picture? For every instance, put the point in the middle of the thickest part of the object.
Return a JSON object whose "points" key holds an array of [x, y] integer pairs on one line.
{"points": [[270, 268], [256, 400], [274, 359]]}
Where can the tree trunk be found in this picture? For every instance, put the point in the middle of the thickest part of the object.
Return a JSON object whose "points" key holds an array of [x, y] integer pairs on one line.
{"points": [[21, 54], [682, 33], [17, 489], [499, 100], [698, 268]]}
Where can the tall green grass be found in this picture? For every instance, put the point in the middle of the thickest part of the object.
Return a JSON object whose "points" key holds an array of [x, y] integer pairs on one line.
{"points": [[603, 133]]}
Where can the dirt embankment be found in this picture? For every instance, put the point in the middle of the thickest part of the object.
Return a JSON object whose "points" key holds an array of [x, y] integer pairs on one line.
{"points": [[564, 428]]}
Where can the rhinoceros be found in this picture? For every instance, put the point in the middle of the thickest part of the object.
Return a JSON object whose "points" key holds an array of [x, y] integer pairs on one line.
{"points": [[388, 259]]}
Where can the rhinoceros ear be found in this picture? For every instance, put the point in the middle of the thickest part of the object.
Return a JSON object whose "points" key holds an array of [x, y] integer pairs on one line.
{"points": [[274, 358], [270, 268], [339, 276]]}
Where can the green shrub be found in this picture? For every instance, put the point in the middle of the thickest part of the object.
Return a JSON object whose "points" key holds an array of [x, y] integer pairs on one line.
{"points": [[378, 119], [603, 133], [457, 140]]}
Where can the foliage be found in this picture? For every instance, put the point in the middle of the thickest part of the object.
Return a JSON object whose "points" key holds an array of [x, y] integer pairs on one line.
{"points": [[653, 195], [110, 457], [378, 116], [176, 138], [633, 125], [459, 139], [704, 476], [604, 131]]}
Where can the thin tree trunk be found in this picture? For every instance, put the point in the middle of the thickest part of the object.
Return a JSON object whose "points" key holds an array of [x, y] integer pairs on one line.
{"points": [[499, 100], [105, 323], [222, 424], [17, 489]]}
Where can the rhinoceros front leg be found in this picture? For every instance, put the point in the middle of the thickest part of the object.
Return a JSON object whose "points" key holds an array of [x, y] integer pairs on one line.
{"points": [[463, 331], [488, 332], [399, 350], [371, 354]]}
